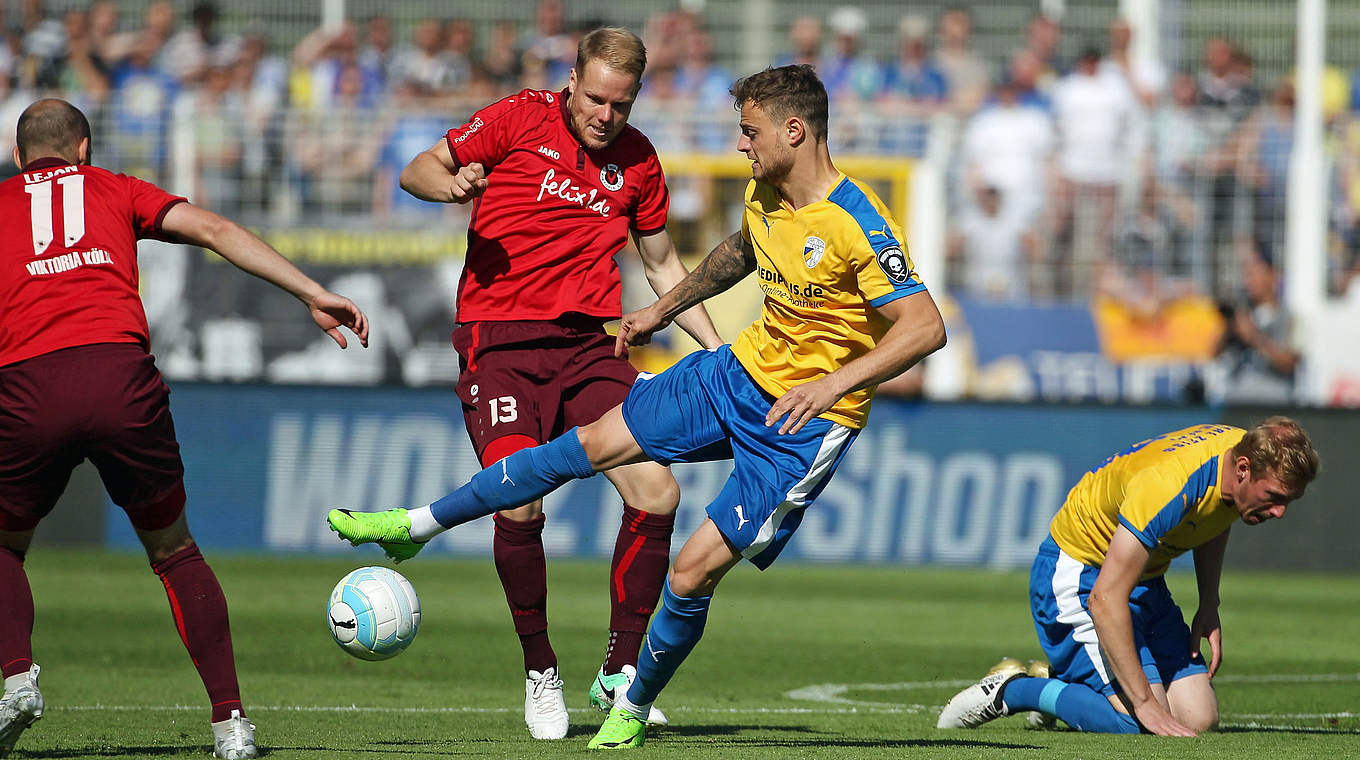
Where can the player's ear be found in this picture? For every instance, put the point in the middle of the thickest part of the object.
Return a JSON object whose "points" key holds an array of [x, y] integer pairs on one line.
{"points": [[18, 162], [83, 151], [571, 81], [795, 131]]}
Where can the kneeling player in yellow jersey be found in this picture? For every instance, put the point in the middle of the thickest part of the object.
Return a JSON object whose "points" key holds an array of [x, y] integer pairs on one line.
{"points": [[1123, 659]]}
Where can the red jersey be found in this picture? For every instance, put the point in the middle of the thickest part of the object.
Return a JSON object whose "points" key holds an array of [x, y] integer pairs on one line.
{"points": [[543, 236], [68, 257]]}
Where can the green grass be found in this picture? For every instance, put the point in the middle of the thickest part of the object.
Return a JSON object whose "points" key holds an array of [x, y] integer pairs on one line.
{"points": [[119, 684]]}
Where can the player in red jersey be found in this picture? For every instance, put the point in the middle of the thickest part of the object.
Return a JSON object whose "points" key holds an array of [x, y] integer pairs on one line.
{"points": [[559, 181], [77, 381]]}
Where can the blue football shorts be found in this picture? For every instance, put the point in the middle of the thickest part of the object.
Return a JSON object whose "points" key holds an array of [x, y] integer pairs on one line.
{"points": [[1059, 587], [707, 408]]}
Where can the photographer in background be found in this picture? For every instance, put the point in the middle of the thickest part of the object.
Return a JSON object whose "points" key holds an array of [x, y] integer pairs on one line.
{"points": [[1258, 351]]}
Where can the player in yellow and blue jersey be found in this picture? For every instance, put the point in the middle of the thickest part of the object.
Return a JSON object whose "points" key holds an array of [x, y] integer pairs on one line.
{"points": [[1122, 658], [843, 311]]}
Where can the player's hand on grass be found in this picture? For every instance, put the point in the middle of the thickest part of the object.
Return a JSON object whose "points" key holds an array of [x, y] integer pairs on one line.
{"points": [[468, 183], [637, 327], [330, 311], [1158, 720], [1206, 626], [801, 404]]}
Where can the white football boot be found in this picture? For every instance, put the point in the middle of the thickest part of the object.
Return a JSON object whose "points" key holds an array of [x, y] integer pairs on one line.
{"points": [[980, 702], [545, 707], [234, 738], [21, 706]]}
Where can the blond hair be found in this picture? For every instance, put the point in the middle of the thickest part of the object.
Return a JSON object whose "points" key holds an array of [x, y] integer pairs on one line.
{"points": [[1279, 445], [616, 48]]}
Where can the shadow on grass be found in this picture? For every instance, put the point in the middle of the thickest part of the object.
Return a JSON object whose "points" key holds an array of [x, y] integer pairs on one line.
{"points": [[1286, 730], [107, 750], [811, 738]]}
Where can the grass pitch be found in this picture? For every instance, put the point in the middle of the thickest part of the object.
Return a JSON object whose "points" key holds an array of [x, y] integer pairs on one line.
{"points": [[800, 661]]}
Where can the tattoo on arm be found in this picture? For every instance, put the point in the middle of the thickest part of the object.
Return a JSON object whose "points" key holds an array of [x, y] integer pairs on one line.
{"points": [[722, 268]]}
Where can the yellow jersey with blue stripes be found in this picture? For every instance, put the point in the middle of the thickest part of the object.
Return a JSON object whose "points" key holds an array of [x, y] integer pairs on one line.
{"points": [[822, 267], [1165, 490]]}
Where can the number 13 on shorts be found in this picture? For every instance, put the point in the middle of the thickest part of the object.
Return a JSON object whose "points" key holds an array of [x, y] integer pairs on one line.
{"points": [[503, 409]]}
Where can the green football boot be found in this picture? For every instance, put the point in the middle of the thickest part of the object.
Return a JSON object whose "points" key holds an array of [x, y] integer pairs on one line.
{"points": [[390, 529], [621, 730], [605, 688]]}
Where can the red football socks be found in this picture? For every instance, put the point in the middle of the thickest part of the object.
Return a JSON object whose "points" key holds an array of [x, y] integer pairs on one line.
{"points": [[16, 615], [518, 551], [641, 556], [200, 612]]}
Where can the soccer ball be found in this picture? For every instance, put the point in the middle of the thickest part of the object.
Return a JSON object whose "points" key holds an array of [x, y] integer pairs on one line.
{"points": [[373, 613]]}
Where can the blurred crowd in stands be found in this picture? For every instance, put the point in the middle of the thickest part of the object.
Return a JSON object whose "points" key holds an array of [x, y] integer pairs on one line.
{"points": [[1076, 170]]}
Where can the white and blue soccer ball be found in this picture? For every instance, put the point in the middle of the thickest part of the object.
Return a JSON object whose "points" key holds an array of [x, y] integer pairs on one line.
{"points": [[373, 613]]}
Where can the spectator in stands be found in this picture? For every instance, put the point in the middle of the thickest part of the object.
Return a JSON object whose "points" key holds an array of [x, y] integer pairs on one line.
{"points": [[848, 72], [82, 77], [1178, 139], [550, 43], [334, 152], [1024, 71], [459, 52], [1264, 148], [193, 50], [108, 46], [405, 134], [1094, 116], [42, 47], [1227, 98], [502, 62], [913, 91], [139, 111], [993, 247], [805, 42], [1043, 35], [966, 72], [376, 54], [1146, 78], [423, 63], [1258, 347], [1008, 146], [219, 137], [698, 77], [261, 79], [1151, 261]]}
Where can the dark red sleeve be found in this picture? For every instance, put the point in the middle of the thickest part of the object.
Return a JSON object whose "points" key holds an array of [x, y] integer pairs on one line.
{"points": [[654, 200], [488, 137], [149, 205]]}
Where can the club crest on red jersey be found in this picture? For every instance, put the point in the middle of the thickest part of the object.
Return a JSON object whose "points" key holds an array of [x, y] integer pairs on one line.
{"points": [[611, 177]]}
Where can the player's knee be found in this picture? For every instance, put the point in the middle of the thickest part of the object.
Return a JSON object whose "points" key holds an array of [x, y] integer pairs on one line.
{"points": [[690, 579], [1199, 715]]}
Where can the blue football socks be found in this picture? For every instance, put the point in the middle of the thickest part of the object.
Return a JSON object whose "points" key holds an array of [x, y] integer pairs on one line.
{"points": [[675, 629], [516, 480], [1077, 705]]}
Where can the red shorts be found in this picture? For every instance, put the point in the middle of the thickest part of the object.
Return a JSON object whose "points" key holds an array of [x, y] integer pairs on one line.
{"points": [[536, 380], [105, 402]]}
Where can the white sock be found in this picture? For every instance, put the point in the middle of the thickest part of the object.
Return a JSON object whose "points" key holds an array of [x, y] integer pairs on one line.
{"points": [[423, 525], [637, 711]]}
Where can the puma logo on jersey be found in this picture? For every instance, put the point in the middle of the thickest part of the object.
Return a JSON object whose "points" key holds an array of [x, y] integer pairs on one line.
{"points": [[505, 474], [880, 232]]}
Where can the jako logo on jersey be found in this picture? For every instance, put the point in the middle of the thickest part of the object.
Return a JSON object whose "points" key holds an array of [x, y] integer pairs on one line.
{"points": [[611, 177], [469, 129], [894, 264], [813, 250], [568, 192], [550, 153]]}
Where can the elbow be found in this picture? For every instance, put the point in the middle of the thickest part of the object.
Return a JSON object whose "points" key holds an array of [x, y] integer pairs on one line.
{"points": [[938, 337]]}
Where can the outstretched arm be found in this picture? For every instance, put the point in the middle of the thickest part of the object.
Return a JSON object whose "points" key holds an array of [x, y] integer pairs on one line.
{"points": [[1109, 606], [723, 267], [191, 224], [917, 331], [435, 176], [664, 271]]}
